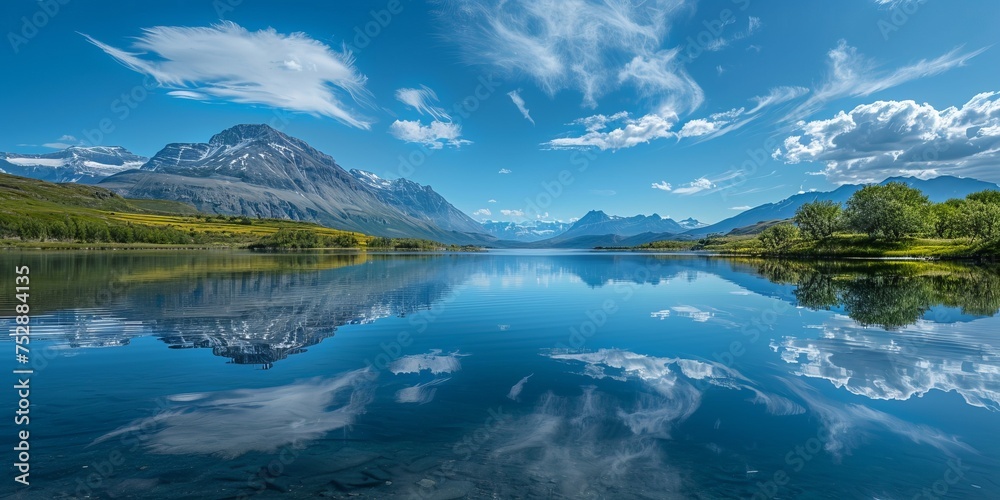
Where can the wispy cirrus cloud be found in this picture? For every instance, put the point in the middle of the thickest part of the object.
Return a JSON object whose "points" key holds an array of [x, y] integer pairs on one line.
{"points": [[570, 44], [483, 212], [62, 142], [622, 130], [227, 62], [851, 74], [515, 96], [885, 138], [504, 171], [424, 100]]}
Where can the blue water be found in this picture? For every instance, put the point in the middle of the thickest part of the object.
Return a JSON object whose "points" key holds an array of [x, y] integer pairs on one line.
{"points": [[501, 375]]}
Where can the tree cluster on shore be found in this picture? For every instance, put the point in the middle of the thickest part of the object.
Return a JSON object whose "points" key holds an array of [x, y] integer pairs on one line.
{"points": [[889, 212]]}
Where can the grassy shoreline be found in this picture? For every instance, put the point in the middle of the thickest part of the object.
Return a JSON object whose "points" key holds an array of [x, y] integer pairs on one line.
{"points": [[840, 246]]}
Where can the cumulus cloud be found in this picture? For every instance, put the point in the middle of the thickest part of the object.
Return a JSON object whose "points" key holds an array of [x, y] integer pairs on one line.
{"points": [[439, 133], [424, 101], [515, 96], [504, 171], [228, 62], [886, 138], [483, 212], [662, 186], [435, 136], [491, 201], [512, 213], [629, 131], [851, 74]]}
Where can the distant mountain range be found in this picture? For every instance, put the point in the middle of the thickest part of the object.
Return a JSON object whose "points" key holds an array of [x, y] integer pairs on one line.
{"points": [[594, 223], [257, 171], [937, 189], [527, 231], [85, 165]]}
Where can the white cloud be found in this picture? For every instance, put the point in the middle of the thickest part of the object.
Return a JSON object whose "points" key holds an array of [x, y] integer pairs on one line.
{"points": [[483, 212], [63, 142], [630, 132], [696, 186], [515, 95], [227, 62], [424, 101], [435, 136], [886, 138], [491, 201], [851, 74], [741, 208], [662, 73], [512, 213], [572, 44], [188, 94], [504, 171], [662, 186], [777, 95], [634, 131]]}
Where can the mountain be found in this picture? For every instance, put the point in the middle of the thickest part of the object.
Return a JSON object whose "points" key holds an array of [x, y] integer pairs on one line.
{"points": [[257, 171], [525, 232], [937, 189], [420, 202], [85, 165], [598, 223], [691, 223], [602, 240]]}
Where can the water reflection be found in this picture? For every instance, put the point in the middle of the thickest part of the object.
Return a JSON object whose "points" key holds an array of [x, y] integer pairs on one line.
{"points": [[891, 295], [230, 423], [481, 401]]}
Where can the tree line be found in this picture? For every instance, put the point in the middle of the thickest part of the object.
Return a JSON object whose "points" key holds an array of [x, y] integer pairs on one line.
{"points": [[891, 211], [89, 231]]}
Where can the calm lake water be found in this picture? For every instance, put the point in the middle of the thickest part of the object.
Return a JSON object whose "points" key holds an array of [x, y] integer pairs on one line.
{"points": [[505, 375]]}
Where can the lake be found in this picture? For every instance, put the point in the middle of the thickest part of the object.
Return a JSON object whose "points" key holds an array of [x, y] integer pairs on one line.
{"points": [[508, 374]]}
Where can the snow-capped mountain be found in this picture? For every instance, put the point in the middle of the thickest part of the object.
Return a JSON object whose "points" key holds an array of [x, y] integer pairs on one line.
{"points": [[86, 165], [255, 170], [691, 223], [527, 231]]}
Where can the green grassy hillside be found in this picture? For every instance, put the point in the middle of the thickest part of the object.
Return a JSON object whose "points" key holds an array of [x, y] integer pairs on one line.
{"points": [[35, 213]]}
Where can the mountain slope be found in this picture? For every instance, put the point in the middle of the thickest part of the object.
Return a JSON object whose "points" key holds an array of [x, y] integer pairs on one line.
{"points": [[419, 202], [256, 171], [937, 189], [85, 165]]}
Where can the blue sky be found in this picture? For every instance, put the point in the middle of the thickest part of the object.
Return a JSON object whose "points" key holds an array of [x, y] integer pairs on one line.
{"points": [[532, 109]]}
